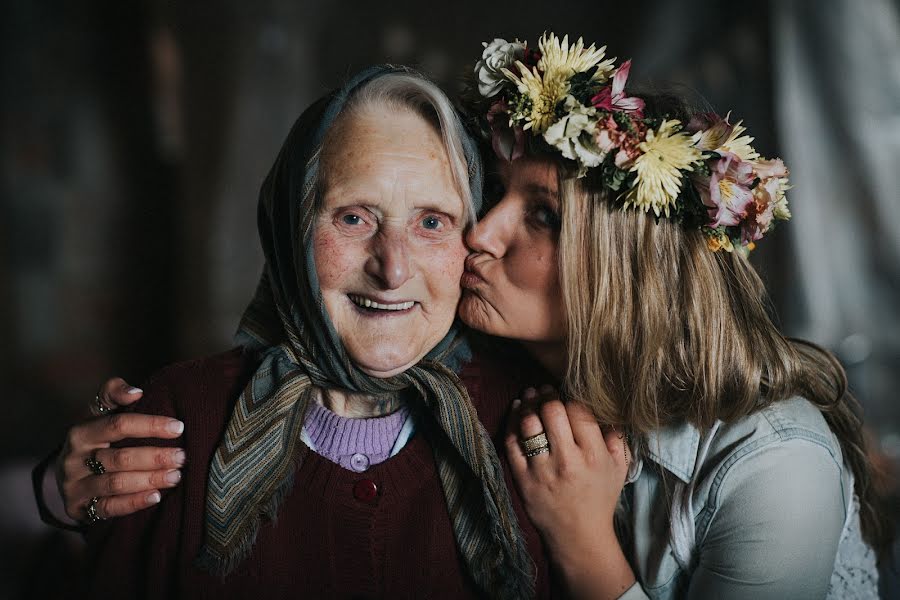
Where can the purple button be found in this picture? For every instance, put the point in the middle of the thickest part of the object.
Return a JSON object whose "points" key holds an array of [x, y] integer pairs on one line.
{"points": [[365, 490], [359, 462]]}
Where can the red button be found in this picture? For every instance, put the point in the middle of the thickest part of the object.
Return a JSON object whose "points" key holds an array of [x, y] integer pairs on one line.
{"points": [[365, 490]]}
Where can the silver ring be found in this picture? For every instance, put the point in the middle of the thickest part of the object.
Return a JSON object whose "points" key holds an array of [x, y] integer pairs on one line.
{"points": [[91, 510], [94, 465], [100, 407], [536, 451]]}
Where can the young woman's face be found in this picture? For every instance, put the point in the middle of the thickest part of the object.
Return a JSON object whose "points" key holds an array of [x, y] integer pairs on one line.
{"points": [[388, 241], [511, 282]]}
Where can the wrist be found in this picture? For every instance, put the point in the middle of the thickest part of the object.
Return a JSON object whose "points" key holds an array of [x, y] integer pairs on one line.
{"points": [[596, 569]]}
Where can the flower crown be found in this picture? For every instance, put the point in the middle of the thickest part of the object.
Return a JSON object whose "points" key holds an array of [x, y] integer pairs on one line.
{"points": [[571, 100]]}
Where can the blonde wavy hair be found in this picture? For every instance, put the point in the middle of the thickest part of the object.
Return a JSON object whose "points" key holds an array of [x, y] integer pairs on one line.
{"points": [[661, 329]]}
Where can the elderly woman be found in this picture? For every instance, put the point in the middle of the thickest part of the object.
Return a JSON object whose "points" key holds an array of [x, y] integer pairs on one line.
{"points": [[337, 453]]}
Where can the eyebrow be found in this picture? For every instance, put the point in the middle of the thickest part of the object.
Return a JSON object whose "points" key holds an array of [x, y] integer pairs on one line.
{"points": [[541, 190]]}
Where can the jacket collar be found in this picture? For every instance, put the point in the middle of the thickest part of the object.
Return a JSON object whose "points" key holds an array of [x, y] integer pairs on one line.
{"points": [[674, 448]]}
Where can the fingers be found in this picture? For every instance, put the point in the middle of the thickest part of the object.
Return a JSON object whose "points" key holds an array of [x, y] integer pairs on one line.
{"points": [[119, 506], [131, 491], [617, 447], [115, 393], [515, 454], [140, 459], [100, 432], [585, 429]]}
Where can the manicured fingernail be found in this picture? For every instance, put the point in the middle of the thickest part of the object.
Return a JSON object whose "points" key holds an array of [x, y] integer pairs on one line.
{"points": [[153, 498], [529, 394], [179, 457], [135, 390], [516, 404], [173, 476], [175, 426]]}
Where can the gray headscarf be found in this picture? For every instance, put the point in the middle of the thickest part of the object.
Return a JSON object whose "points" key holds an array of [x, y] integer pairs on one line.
{"points": [[286, 323]]}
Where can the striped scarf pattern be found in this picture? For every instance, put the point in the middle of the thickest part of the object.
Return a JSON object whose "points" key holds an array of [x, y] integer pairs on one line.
{"points": [[286, 323]]}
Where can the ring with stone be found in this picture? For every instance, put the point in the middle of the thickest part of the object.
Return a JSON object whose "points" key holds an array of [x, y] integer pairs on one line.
{"points": [[91, 511], [94, 465]]}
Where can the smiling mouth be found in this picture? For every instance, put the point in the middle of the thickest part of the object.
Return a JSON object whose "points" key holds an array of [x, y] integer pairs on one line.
{"points": [[368, 303]]}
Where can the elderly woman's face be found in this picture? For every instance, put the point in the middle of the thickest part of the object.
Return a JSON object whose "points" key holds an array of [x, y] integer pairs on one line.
{"points": [[388, 241]]}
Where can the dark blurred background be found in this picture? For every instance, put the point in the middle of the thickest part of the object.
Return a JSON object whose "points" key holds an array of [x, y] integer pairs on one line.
{"points": [[134, 137]]}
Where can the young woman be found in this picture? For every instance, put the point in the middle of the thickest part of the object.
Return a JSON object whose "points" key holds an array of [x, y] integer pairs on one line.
{"points": [[617, 254]]}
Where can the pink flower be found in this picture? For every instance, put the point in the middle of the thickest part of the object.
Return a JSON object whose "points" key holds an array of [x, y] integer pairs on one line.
{"points": [[613, 98], [508, 142], [726, 192]]}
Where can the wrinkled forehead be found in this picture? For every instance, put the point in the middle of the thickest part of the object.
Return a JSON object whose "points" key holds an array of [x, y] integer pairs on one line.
{"points": [[378, 150]]}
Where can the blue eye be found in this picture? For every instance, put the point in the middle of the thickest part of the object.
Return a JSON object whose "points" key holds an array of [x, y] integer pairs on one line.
{"points": [[351, 219], [431, 222]]}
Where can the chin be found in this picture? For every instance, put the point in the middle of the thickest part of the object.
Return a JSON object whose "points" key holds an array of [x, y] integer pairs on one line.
{"points": [[384, 367]]}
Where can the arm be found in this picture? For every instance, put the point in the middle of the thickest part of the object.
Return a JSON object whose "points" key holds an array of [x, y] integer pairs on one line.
{"points": [[133, 476], [776, 532], [570, 493]]}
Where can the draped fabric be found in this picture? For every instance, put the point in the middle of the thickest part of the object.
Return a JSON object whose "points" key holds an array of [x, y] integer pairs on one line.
{"points": [[287, 325]]}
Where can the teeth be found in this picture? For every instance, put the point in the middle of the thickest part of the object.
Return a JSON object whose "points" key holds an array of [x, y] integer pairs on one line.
{"points": [[367, 303]]}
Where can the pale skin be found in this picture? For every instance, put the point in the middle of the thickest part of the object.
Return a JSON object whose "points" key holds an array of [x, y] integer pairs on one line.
{"points": [[511, 289]]}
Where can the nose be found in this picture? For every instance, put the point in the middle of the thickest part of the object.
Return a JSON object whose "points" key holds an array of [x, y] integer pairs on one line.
{"points": [[389, 263], [491, 234]]}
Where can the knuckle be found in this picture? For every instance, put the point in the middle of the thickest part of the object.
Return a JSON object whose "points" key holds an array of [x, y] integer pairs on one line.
{"points": [[161, 459], [115, 484], [553, 409], [122, 460], [117, 424]]}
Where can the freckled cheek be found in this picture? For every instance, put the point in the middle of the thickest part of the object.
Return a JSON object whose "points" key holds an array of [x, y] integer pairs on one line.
{"points": [[444, 265], [337, 259]]}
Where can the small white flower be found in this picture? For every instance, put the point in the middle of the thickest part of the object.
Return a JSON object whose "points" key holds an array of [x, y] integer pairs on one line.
{"points": [[497, 55], [575, 135]]}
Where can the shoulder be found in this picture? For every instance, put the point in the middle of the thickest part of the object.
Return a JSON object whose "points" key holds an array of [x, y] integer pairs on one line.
{"points": [[783, 457], [795, 423], [197, 385]]}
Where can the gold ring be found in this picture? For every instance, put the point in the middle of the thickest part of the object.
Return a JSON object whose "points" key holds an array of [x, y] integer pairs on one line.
{"points": [[536, 444]]}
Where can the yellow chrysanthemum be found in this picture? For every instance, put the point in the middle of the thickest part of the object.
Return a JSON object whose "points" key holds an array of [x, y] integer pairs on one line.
{"points": [[665, 154], [560, 61], [739, 144], [545, 92]]}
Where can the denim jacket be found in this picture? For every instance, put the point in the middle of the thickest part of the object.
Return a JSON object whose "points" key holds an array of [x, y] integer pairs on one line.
{"points": [[760, 508]]}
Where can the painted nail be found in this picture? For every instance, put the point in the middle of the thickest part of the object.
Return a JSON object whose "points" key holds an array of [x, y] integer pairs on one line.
{"points": [[135, 390], [530, 394], [516, 404], [179, 457], [153, 498], [175, 426], [173, 477]]}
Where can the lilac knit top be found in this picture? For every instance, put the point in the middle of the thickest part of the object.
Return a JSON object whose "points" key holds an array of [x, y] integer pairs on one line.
{"points": [[355, 444]]}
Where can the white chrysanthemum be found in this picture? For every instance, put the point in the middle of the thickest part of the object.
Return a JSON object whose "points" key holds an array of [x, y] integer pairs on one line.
{"points": [[558, 59]]}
